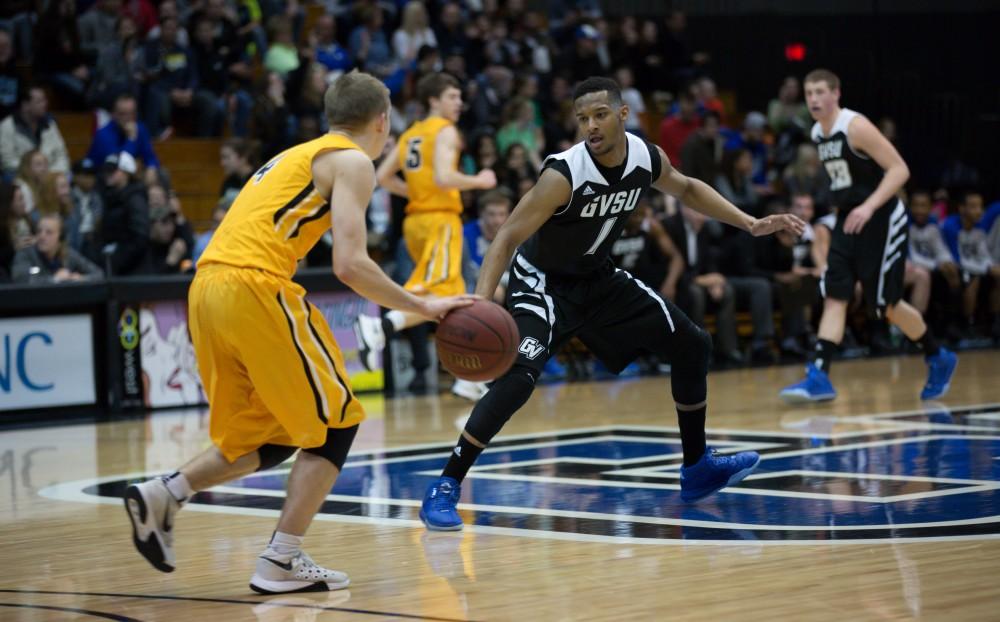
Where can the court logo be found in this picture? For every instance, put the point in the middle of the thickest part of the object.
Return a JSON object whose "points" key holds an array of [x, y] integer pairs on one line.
{"points": [[895, 477]]}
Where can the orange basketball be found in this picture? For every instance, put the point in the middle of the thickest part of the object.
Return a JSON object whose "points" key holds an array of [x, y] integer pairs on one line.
{"points": [[477, 342]]}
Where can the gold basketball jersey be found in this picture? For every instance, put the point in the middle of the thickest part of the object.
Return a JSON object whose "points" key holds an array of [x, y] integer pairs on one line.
{"points": [[278, 215], [416, 159]]}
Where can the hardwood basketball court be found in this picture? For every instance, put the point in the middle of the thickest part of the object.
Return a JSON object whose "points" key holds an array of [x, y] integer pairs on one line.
{"points": [[873, 507]]}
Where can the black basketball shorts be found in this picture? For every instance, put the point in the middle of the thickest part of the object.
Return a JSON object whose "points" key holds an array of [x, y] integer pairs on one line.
{"points": [[615, 315], [876, 257]]}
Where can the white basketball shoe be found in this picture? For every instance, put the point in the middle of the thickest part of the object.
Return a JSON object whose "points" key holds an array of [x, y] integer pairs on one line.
{"points": [[473, 391], [151, 508], [298, 574]]}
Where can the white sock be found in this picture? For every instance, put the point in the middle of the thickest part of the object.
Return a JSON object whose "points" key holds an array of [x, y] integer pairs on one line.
{"points": [[284, 545], [179, 487], [397, 319]]}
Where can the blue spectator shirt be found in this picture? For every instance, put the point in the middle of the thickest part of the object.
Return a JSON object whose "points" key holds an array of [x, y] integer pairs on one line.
{"points": [[475, 241], [334, 57], [111, 139]]}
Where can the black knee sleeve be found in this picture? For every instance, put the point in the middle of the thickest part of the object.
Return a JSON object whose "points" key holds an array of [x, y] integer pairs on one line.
{"points": [[689, 368], [273, 455], [338, 443], [507, 394]]}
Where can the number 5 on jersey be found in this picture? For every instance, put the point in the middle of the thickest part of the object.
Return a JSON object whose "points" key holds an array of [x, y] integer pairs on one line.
{"points": [[413, 159]]}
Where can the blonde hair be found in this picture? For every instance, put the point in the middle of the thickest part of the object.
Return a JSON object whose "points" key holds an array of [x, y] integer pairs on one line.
{"points": [[414, 17], [354, 100], [43, 191]]}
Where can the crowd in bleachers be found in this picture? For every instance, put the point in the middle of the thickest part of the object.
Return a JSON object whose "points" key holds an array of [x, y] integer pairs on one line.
{"points": [[254, 72]]}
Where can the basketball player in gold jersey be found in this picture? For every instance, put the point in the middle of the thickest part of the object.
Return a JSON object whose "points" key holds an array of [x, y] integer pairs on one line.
{"points": [[272, 371], [427, 154]]}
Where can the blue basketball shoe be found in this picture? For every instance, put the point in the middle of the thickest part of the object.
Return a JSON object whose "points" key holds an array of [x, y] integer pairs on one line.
{"points": [[714, 472], [438, 510], [940, 369], [815, 387]]}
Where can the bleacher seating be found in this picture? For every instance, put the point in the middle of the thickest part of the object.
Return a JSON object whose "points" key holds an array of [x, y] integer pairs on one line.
{"points": [[193, 163]]}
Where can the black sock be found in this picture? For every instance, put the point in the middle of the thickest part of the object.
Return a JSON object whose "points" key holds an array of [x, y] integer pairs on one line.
{"points": [[462, 458], [692, 425], [824, 354], [388, 328], [929, 343]]}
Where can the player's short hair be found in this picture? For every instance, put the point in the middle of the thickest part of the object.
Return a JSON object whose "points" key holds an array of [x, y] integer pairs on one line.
{"points": [[355, 99], [433, 85], [596, 84], [823, 75], [493, 197]]}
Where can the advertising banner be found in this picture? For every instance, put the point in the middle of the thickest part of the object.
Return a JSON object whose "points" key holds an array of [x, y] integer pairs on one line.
{"points": [[46, 361], [340, 309], [159, 368]]}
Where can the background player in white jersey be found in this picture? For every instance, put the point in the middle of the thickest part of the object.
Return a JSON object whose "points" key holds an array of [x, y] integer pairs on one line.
{"points": [[563, 284], [868, 242]]}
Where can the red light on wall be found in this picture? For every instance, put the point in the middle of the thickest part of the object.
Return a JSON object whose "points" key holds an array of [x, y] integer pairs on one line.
{"points": [[795, 52]]}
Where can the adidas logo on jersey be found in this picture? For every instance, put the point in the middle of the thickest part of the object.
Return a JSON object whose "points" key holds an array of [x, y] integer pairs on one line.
{"points": [[587, 191]]}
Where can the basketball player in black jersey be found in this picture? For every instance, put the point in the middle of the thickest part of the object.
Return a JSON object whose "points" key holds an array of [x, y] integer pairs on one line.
{"points": [[868, 242], [563, 284]]}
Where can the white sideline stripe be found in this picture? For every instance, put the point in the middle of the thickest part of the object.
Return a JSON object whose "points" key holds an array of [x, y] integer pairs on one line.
{"points": [[785, 494], [567, 536], [883, 442], [632, 518], [73, 491], [445, 450], [729, 448]]}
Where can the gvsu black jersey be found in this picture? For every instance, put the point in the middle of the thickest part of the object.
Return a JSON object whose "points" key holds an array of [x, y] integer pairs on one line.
{"points": [[577, 239], [853, 175]]}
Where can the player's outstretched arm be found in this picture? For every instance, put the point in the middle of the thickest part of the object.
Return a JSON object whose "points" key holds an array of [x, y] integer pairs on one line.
{"points": [[549, 193], [864, 136], [698, 195], [348, 178], [387, 177], [446, 176]]}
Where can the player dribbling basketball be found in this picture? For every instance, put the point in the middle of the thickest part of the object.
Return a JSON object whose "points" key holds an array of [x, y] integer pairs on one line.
{"points": [[563, 284], [272, 371]]}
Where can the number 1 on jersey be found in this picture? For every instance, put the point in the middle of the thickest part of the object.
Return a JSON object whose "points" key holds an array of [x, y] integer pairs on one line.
{"points": [[605, 230], [413, 159]]}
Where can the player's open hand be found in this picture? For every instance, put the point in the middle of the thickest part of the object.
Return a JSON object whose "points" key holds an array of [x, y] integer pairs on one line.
{"points": [[436, 308], [857, 219], [778, 222]]}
